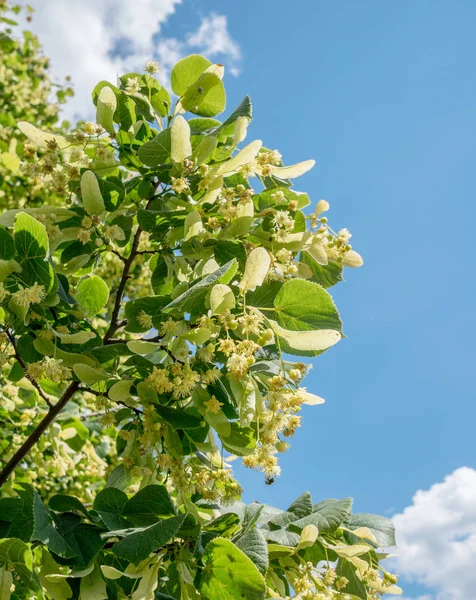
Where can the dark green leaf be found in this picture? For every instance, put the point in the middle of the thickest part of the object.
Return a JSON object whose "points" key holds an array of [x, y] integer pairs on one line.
{"points": [[137, 546]]}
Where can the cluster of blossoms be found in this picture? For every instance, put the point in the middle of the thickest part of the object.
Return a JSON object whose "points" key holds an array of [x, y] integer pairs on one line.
{"points": [[24, 296], [49, 368], [325, 245], [311, 583]]}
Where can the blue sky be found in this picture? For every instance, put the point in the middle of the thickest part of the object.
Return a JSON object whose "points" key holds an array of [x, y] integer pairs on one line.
{"points": [[382, 95]]}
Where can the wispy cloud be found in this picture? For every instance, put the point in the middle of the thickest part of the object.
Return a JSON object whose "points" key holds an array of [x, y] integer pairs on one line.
{"points": [[437, 538], [91, 40]]}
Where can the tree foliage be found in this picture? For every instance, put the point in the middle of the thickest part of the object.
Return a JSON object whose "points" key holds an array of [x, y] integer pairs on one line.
{"points": [[154, 317]]}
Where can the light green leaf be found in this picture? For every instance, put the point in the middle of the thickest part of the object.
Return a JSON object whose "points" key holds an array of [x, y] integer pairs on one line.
{"points": [[120, 391], [93, 201], [106, 106], [75, 338], [92, 294], [320, 339], [221, 299], [293, 170], [204, 149], [142, 347], [244, 157], [89, 374], [41, 138], [193, 225], [187, 71], [7, 219], [229, 574], [58, 590], [256, 269], [180, 145], [149, 581], [93, 586], [6, 580], [206, 96]]}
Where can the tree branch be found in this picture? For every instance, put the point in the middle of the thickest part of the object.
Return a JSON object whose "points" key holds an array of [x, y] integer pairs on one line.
{"points": [[38, 432], [24, 367], [113, 327]]}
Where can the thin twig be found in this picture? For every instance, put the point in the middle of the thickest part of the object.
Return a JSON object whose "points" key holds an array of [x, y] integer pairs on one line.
{"points": [[133, 408]]}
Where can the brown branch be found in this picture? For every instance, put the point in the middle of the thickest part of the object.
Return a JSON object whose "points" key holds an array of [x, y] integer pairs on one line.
{"points": [[24, 367], [114, 326], [38, 432]]}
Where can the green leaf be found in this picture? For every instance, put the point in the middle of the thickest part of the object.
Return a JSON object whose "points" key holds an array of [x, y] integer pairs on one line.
{"points": [[84, 539], [226, 250], [157, 151], [190, 300], [283, 537], [382, 528], [187, 71], [151, 305], [326, 275], [331, 513], [243, 110], [177, 417], [63, 503], [7, 244], [31, 243], [300, 508], [26, 349], [180, 145], [106, 106], [93, 586], [150, 503], [6, 580], [44, 531], [254, 545], [303, 306], [137, 546], [93, 201], [109, 504], [219, 421], [92, 294], [206, 97], [88, 374], [316, 340], [355, 587], [16, 553], [241, 441], [229, 574]]}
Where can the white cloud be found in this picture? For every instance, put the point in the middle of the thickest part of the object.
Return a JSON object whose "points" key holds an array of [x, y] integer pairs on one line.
{"points": [[92, 40], [213, 38], [436, 537]]}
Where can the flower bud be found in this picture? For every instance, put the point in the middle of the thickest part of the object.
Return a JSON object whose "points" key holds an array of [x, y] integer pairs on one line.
{"points": [[321, 207]]}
